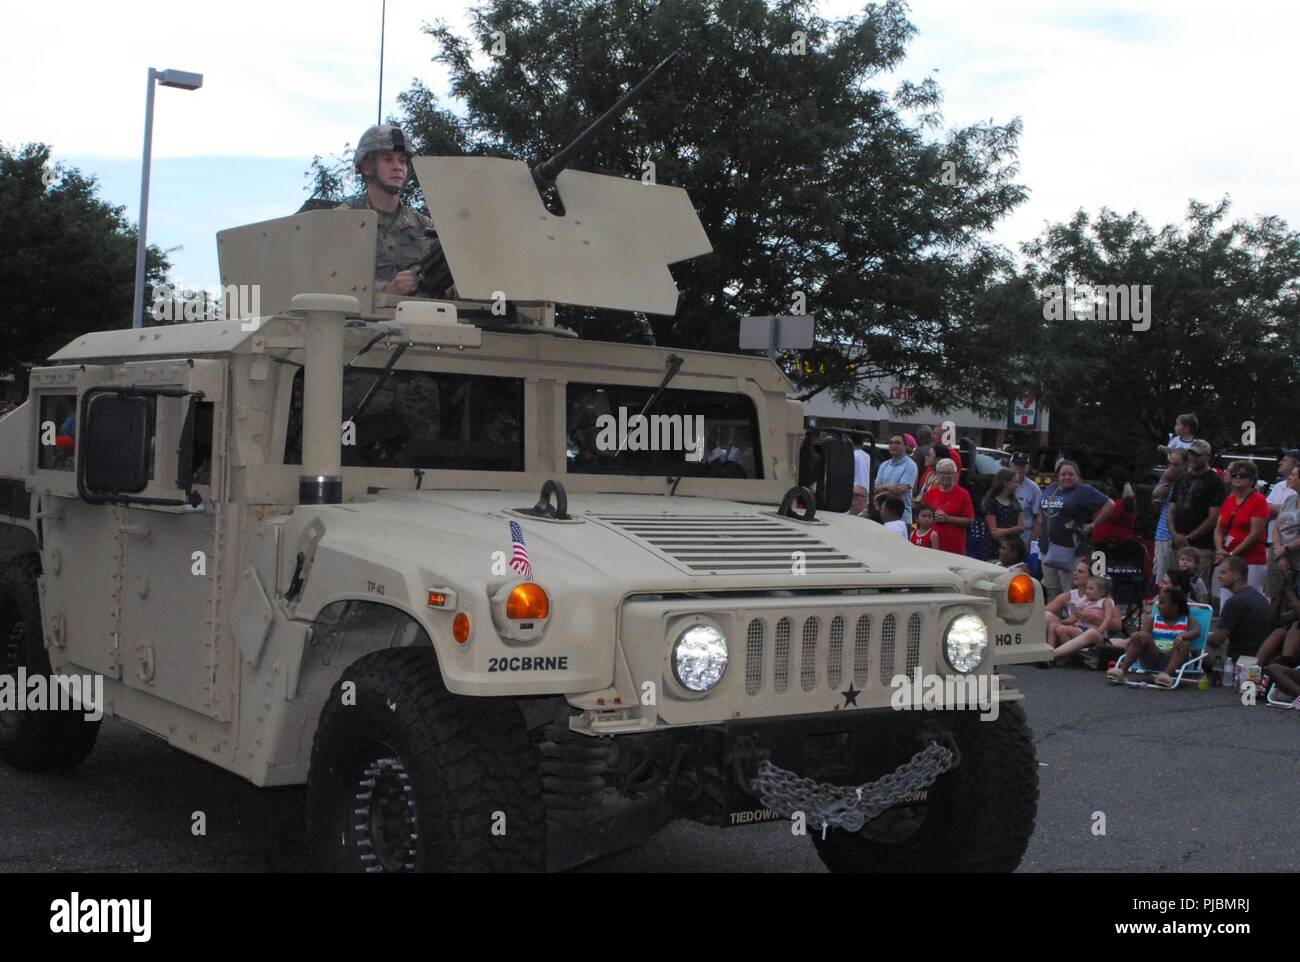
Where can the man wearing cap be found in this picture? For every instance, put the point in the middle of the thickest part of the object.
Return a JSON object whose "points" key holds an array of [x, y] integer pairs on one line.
{"points": [[1277, 496], [1194, 507], [1030, 496], [405, 236]]}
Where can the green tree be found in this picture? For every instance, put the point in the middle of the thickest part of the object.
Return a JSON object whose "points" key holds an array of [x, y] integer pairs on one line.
{"points": [[808, 176], [1224, 335], [67, 258]]}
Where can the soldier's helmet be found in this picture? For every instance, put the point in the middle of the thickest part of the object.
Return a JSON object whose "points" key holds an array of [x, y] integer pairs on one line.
{"points": [[376, 138]]}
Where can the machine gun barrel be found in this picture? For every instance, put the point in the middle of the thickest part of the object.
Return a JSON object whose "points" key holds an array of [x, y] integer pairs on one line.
{"points": [[546, 172]]}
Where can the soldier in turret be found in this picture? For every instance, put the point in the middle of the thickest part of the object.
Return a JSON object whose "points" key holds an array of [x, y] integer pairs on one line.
{"points": [[405, 235]]}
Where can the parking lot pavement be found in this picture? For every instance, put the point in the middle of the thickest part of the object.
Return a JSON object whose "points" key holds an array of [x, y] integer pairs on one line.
{"points": [[1187, 781]]}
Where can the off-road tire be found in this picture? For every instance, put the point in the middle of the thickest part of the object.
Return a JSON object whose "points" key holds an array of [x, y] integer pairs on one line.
{"points": [[36, 741], [980, 815], [414, 778]]}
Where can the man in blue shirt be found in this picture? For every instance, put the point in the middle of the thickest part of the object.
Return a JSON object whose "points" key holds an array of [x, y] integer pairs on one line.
{"points": [[897, 476]]}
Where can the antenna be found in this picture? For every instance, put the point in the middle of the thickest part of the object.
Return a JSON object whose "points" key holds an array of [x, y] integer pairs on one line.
{"points": [[383, 15]]}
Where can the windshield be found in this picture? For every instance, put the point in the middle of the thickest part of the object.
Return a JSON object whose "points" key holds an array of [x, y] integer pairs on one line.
{"points": [[425, 419], [685, 434]]}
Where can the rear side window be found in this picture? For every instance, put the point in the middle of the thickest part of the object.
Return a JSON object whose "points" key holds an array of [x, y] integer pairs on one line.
{"points": [[57, 432]]}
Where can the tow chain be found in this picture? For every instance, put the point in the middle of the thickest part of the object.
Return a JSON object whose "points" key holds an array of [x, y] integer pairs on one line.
{"points": [[848, 807]]}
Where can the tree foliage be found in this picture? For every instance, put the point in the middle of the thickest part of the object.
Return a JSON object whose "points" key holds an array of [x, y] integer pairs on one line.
{"points": [[809, 176], [1224, 336], [67, 258]]}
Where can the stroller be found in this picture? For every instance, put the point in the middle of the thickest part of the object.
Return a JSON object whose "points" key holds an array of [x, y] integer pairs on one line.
{"points": [[1126, 567]]}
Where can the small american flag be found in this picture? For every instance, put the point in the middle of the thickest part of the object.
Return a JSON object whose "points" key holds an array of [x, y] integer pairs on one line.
{"points": [[519, 557]]}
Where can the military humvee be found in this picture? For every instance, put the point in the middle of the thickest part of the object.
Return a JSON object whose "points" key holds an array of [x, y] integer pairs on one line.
{"points": [[377, 545]]}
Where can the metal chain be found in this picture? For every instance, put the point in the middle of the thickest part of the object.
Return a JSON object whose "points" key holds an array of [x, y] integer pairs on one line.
{"points": [[846, 806]]}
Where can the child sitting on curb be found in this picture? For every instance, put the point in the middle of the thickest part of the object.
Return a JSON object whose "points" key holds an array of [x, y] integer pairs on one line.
{"points": [[1089, 624]]}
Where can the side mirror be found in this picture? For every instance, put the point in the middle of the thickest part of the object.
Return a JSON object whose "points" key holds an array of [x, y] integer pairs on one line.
{"points": [[117, 434], [835, 493]]}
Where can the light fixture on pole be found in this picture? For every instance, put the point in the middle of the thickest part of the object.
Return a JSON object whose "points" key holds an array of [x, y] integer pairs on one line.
{"points": [[168, 78]]}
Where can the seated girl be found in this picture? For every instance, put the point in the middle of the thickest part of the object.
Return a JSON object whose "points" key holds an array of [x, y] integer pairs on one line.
{"points": [[1063, 604], [1088, 624], [1164, 642]]}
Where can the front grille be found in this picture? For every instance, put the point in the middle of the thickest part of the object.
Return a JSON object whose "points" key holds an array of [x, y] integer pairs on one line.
{"points": [[862, 650], [887, 649], [913, 643], [821, 649], [781, 658], [808, 659], [733, 544], [754, 656], [835, 656]]}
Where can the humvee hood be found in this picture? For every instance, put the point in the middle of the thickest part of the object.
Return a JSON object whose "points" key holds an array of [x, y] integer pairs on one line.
{"points": [[658, 543]]}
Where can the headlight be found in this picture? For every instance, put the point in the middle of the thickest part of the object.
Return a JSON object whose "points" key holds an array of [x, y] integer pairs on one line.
{"points": [[964, 642], [699, 657]]}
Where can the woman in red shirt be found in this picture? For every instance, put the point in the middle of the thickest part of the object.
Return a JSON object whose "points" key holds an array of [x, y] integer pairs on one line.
{"points": [[953, 509], [1243, 517], [1121, 525]]}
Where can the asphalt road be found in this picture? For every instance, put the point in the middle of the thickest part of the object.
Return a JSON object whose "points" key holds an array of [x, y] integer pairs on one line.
{"points": [[1188, 781]]}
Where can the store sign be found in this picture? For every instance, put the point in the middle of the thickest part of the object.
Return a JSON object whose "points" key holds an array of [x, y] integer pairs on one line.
{"points": [[1024, 412]]}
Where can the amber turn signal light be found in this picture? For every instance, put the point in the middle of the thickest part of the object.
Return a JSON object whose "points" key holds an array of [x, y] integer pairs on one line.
{"points": [[460, 628], [528, 602], [1021, 590]]}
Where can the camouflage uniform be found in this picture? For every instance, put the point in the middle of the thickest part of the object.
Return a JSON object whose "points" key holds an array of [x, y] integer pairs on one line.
{"points": [[400, 243]]}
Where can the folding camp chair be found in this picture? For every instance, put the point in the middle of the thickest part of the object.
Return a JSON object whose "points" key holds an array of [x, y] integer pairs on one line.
{"points": [[1126, 567], [1194, 667], [1278, 699]]}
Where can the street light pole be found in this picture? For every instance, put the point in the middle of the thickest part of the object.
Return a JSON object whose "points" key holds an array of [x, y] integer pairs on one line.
{"points": [[168, 78], [142, 228]]}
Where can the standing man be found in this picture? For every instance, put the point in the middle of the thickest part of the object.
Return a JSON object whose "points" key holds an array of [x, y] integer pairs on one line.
{"points": [[1030, 496], [897, 476], [1161, 496], [1194, 507], [1277, 496], [405, 236], [861, 474]]}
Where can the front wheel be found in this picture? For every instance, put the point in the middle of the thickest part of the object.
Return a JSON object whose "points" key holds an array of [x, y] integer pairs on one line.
{"points": [[406, 776], [978, 818], [34, 739]]}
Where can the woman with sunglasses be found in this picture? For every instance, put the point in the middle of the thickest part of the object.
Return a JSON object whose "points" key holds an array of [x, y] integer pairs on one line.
{"points": [[1240, 530]]}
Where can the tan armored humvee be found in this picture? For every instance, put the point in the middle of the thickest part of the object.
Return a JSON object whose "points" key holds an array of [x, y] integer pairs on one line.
{"points": [[388, 547]]}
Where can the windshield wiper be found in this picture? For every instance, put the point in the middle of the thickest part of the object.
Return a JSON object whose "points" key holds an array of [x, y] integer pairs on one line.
{"points": [[380, 379], [673, 364]]}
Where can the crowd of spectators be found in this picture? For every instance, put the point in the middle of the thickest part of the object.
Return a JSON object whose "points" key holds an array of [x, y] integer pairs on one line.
{"points": [[1219, 542]]}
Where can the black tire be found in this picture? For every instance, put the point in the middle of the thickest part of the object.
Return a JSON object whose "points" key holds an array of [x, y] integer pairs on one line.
{"points": [[980, 815], [414, 778], [35, 741]]}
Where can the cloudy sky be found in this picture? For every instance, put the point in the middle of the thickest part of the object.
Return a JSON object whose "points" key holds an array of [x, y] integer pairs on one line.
{"points": [[1138, 105]]}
